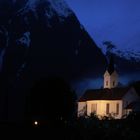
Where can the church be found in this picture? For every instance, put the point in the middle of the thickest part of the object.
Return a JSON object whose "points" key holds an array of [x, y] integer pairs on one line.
{"points": [[111, 100]]}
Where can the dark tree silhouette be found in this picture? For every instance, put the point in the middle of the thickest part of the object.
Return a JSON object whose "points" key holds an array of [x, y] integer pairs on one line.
{"points": [[109, 45], [51, 100]]}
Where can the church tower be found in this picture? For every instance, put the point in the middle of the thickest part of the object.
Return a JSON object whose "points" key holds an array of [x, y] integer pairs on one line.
{"points": [[110, 75]]}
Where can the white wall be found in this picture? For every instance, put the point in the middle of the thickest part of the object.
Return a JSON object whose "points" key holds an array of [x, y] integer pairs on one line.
{"points": [[114, 77], [81, 108], [110, 79], [130, 97], [106, 78], [101, 107]]}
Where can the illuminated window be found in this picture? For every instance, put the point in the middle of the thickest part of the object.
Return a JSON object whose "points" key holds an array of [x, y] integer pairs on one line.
{"points": [[106, 83], [117, 108], [93, 108], [107, 108]]}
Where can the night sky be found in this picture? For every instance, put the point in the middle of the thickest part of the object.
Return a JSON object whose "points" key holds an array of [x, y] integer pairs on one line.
{"points": [[116, 21]]}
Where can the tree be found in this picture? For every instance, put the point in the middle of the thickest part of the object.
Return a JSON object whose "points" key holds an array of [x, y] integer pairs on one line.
{"points": [[109, 47], [51, 100]]}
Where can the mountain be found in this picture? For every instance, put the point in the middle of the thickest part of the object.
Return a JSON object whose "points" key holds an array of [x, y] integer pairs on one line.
{"points": [[47, 35], [42, 38], [115, 21], [127, 61], [129, 53]]}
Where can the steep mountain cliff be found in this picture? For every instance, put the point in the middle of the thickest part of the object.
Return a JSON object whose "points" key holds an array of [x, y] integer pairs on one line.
{"points": [[43, 38]]}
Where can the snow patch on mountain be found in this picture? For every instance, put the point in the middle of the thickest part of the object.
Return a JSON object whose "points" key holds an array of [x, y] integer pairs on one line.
{"points": [[49, 14], [31, 4], [56, 7], [20, 70], [25, 40], [82, 27], [60, 7], [128, 54]]}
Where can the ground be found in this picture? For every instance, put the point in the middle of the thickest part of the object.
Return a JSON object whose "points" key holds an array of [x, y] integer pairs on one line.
{"points": [[82, 128]]}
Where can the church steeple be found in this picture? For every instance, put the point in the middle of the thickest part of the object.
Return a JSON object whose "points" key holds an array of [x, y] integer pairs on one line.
{"points": [[110, 76], [111, 68]]}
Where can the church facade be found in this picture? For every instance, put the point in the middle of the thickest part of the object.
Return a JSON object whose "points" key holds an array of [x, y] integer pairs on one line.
{"points": [[111, 100]]}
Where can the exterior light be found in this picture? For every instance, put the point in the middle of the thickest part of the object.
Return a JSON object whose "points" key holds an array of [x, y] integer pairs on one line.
{"points": [[36, 123]]}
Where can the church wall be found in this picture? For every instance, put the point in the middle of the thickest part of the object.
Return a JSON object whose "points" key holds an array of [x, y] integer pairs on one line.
{"points": [[107, 78], [129, 97], [114, 78], [101, 107], [82, 108], [110, 78]]}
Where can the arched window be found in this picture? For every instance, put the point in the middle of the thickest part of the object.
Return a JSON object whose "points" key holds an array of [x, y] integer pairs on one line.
{"points": [[94, 108], [107, 108], [117, 108], [106, 83]]}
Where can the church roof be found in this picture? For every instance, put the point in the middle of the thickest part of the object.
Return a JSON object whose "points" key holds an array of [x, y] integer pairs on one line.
{"points": [[104, 94]]}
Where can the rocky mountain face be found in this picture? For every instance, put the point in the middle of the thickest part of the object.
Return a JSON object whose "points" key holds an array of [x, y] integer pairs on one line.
{"points": [[116, 22], [127, 61], [40, 38]]}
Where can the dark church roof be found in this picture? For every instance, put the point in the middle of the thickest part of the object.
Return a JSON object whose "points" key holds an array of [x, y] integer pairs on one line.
{"points": [[104, 94]]}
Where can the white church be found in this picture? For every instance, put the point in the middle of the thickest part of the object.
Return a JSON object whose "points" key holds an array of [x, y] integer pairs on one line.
{"points": [[111, 100]]}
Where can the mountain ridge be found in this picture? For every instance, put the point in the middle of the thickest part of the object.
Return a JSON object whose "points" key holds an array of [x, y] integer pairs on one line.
{"points": [[40, 46]]}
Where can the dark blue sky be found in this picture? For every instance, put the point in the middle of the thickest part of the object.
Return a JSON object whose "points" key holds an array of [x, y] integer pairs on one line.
{"points": [[109, 20], [116, 21]]}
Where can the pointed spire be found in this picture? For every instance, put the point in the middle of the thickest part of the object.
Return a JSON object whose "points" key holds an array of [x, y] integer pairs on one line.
{"points": [[111, 67]]}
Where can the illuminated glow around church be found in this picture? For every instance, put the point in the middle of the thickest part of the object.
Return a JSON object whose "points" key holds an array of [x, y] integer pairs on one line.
{"points": [[111, 100]]}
